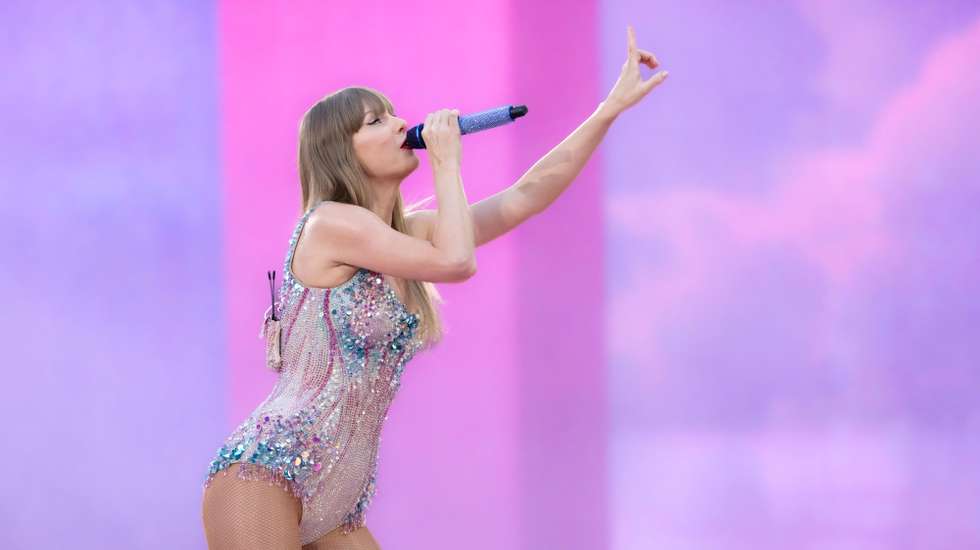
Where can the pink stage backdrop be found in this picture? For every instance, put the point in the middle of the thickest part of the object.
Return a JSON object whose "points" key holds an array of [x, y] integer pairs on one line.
{"points": [[750, 323]]}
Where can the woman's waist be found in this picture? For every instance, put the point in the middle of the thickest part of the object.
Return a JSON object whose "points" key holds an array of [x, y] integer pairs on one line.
{"points": [[311, 385], [336, 421]]}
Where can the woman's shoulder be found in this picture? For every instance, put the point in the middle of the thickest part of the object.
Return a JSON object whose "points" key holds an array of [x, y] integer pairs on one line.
{"points": [[324, 207], [329, 216]]}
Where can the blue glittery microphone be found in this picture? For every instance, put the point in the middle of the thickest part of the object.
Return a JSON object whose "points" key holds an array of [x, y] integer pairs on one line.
{"points": [[471, 123]]}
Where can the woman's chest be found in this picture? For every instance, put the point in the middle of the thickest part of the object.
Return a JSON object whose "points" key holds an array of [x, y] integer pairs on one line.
{"points": [[369, 322]]}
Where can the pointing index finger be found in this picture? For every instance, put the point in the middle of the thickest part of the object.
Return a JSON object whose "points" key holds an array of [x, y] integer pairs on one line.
{"points": [[631, 40]]}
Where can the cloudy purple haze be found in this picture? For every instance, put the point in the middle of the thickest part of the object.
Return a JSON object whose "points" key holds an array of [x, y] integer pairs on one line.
{"points": [[751, 323]]}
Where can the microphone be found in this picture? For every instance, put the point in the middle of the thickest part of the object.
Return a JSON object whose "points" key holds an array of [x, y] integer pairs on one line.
{"points": [[468, 124]]}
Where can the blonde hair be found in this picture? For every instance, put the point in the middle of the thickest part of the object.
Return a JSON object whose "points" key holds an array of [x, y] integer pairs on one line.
{"points": [[329, 170]]}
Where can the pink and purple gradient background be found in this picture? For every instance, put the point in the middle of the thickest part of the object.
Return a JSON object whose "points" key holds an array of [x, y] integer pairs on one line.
{"points": [[751, 322]]}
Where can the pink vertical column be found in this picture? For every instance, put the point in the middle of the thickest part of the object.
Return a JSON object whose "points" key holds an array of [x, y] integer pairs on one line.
{"points": [[448, 473], [560, 289]]}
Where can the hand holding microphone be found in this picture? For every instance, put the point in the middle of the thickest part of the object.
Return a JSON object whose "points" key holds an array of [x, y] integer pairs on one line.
{"points": [[441, 133]]}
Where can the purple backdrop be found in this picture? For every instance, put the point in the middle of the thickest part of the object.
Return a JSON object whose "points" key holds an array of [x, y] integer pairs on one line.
{"points": [[112, 273], [793, 250]]}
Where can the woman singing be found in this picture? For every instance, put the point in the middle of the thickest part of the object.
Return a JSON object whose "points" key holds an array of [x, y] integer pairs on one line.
{"points": [[357, 302]]}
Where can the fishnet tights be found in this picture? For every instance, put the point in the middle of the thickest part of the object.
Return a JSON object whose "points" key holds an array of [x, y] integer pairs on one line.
{"points": [[254, 515], [358, 539]]}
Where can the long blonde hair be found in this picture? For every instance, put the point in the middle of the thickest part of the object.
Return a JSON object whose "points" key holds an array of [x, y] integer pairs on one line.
{"points": [[329, 170]]}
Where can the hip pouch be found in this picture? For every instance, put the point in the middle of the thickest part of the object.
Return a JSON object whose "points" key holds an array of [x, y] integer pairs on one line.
{"points": [[271, 329]]}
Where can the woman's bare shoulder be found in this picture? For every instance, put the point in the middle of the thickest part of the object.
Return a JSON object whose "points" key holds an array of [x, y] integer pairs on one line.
{"points": [[330, 215]]}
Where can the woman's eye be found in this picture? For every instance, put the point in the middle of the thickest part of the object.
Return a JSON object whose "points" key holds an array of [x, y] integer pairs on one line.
{"points": [[375, 120]]}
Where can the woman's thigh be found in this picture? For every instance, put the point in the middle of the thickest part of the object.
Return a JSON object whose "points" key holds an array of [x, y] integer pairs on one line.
{"points": [[358, 539], [245, 514]]}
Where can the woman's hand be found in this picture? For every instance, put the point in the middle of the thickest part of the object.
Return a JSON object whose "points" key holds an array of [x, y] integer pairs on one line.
{"points": [[441, 135], [630, 88]]}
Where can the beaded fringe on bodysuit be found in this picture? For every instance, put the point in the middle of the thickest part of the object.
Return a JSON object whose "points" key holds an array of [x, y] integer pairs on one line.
{"points": [[244, 516]]}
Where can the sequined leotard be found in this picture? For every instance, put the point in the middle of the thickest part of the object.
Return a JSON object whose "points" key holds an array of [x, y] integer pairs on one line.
{"points": [[317, 433]]}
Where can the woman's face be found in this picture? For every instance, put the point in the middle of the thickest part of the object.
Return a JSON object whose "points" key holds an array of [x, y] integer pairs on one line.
{"points": [[378, 145]]}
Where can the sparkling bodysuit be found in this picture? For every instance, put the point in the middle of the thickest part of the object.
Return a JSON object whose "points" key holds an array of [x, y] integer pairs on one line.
{"points": [[316, 435]]}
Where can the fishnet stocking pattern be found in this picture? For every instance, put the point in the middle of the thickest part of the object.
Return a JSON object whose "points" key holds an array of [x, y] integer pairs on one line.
{"points": [[243, 514]]}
